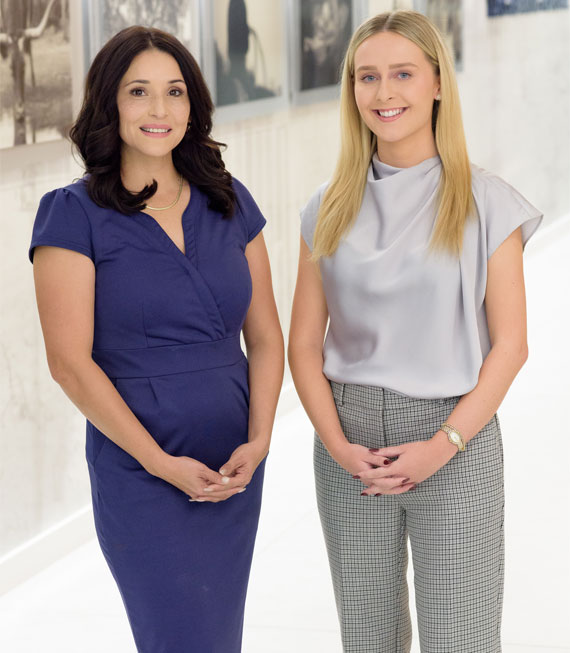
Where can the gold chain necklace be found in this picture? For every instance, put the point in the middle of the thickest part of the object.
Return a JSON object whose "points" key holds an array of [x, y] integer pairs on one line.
{"points": [[164, 208]]}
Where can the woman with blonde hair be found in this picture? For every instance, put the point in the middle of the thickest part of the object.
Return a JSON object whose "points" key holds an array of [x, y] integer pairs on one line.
{"points": [[414, 258]]}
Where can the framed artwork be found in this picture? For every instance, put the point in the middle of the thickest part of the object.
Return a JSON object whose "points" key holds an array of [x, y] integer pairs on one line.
{"points": [[502, 7], [36, 80], [446, 14], [246, 58], [321, 31], [104, 18]]}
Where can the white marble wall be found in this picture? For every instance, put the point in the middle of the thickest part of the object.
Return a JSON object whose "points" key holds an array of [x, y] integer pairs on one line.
{"points": [[516, 105]]}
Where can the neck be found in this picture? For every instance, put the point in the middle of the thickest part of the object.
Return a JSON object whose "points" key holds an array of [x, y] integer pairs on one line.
{"points": [[407, 153], [139, 171]]}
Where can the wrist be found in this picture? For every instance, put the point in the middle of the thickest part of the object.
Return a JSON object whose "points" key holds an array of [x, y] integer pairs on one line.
{"points": [[442, 447], [157, 463]]}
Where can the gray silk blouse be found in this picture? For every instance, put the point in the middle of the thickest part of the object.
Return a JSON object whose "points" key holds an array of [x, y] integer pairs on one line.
{"points": [[399, 318]]}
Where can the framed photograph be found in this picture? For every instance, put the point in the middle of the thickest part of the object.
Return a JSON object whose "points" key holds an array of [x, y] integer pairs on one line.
{"points": [[502, 7], [446, 14], [36, 79], [107, 17], [321, 30], [246, 58]]}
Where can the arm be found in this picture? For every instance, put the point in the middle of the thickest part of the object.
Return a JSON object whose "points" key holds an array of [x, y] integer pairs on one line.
{"points": [[308, 325], [65, 292], [264, 344], [506, 317]]}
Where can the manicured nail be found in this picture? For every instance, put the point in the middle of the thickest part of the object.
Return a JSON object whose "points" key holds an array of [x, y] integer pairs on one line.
{"points": [[412, 488], [363, 494], [387, 461], [208, 489], [225, 480], [223, 471], [242, 490], [356, 477], [379, 494], [405, 481], [374, 450], [197, 500]]}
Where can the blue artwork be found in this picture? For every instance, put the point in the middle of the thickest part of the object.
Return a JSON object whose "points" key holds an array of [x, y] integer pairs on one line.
{"points": [[502, 7]]}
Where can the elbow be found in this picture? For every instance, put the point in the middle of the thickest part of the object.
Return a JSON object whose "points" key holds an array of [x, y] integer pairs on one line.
{"points": [[63, 370]]}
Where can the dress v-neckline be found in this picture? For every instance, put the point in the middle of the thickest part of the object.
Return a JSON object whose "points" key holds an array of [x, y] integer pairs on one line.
{"points": [[187, 227]]}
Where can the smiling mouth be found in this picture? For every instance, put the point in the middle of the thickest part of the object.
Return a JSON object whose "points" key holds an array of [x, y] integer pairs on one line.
{"points": [[390, 113], [153, 130]]}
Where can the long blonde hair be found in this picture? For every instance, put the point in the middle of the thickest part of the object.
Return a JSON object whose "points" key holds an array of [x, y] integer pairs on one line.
{"points": [[342, 199]]}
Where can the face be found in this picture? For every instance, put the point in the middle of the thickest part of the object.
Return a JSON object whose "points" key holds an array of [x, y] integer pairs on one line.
{"points": [[394, 87], [153, 105]]}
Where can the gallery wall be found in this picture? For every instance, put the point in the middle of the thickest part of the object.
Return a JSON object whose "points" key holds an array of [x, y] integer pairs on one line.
{"points": [[516, 103]]}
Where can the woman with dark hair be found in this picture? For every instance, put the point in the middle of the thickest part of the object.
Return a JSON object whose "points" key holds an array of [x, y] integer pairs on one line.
{"points": [[147, 270]]}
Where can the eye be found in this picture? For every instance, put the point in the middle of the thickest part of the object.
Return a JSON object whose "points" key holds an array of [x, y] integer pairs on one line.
{"points": [[368, 78], [403, 75], [176, 92], [138, 92]]}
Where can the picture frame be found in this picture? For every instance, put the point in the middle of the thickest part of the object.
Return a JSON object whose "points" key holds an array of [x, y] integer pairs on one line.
{"points": [[319, 35], [104, 18], [40, 72], [503, 8], [246, 62]]}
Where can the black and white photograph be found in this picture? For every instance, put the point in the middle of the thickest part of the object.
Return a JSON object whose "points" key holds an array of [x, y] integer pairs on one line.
{"points": [[249, 50], [502, 7], [179, 17], [35, 71], [448, 16], [326, 27]]}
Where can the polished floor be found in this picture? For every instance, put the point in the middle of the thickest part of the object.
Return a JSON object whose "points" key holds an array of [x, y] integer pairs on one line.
{"points": [[74, 607]]}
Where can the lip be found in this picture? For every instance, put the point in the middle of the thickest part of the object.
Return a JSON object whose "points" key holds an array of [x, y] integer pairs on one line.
{"points": [[391, 118], [156, 126]]}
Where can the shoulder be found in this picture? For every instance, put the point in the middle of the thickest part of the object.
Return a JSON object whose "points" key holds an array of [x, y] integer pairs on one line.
{"points": [[310, 213], [492, 194], [247, 210]]}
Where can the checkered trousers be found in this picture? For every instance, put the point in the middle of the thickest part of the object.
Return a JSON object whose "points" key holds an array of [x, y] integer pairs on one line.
{"points": [[454, 520]]}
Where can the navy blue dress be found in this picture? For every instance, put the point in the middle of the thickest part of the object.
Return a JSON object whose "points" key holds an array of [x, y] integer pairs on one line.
{"points": [[167, 334]]}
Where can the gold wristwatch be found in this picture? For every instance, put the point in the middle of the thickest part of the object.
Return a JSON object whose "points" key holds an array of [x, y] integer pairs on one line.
{"points": [[453, 436]]}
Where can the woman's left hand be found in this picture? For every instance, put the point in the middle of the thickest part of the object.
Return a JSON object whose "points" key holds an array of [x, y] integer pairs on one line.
{"points": [[238, 470], [416, 461]]}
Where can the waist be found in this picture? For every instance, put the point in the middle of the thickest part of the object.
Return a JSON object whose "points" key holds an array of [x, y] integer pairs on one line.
{"points": [[168, 359]]}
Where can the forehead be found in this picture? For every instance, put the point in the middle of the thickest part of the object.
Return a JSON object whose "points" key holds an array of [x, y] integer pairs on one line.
{"points": [[386, 48], [154, 63]]}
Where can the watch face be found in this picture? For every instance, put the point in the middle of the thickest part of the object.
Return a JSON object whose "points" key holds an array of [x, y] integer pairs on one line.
{"points": [[455, 437]]}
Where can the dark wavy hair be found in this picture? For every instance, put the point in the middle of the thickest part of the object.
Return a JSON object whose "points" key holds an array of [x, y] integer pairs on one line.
{"points": [[96, 131]]}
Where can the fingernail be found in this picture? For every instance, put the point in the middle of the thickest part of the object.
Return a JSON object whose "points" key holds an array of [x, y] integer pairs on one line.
{"points": [[207, 489], [374, 450], [225, 480], [363, 494], [387, 462], [379, 494], [356, 477], [412, 488], [242, 490], [406, 480], [223, 471]]}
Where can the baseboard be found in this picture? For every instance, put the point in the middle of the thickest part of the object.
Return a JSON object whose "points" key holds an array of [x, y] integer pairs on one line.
{"points": [[36, 554]]}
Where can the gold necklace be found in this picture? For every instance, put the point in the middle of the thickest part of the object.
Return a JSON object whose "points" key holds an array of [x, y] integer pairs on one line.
{"points": [[163, 208]]}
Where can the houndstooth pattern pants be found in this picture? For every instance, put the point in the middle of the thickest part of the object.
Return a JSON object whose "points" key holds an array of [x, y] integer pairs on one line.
{"points": [[454, 520]]}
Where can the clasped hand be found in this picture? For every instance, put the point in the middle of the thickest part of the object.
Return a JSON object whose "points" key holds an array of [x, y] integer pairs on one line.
{"points": [[201, 483], [392, 470]]}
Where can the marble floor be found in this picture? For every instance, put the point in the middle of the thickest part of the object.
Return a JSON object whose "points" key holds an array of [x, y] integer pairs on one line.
{"points": [[74, 607]]}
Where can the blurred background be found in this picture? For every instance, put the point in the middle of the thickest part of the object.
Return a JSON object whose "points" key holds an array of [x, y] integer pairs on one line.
{"points": [[278, 115]]}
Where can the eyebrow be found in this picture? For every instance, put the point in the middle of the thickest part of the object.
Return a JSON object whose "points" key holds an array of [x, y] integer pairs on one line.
{"points": [[146, 81], [394, 65]]}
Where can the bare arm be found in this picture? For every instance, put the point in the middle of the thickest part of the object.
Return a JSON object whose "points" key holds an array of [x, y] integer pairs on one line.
{"points": [[308, 325], [65, 292], [506, 317]]}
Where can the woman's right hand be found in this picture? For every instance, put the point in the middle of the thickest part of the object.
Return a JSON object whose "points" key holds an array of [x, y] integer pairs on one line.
{"points": [[355, 458], [192, 477]]}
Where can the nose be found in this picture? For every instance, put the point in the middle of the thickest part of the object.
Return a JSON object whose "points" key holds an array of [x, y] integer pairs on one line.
{"points": [[157, 106], [384, 91]]}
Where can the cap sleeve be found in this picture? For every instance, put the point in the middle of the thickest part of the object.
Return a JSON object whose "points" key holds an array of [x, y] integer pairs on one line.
{"points": [[251, 216], [309, 215], [506, 210], [62, 222]]}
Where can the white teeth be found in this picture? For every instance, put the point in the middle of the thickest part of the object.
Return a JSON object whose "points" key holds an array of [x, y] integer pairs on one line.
{"points": [[155, 131], [390, 113]]}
